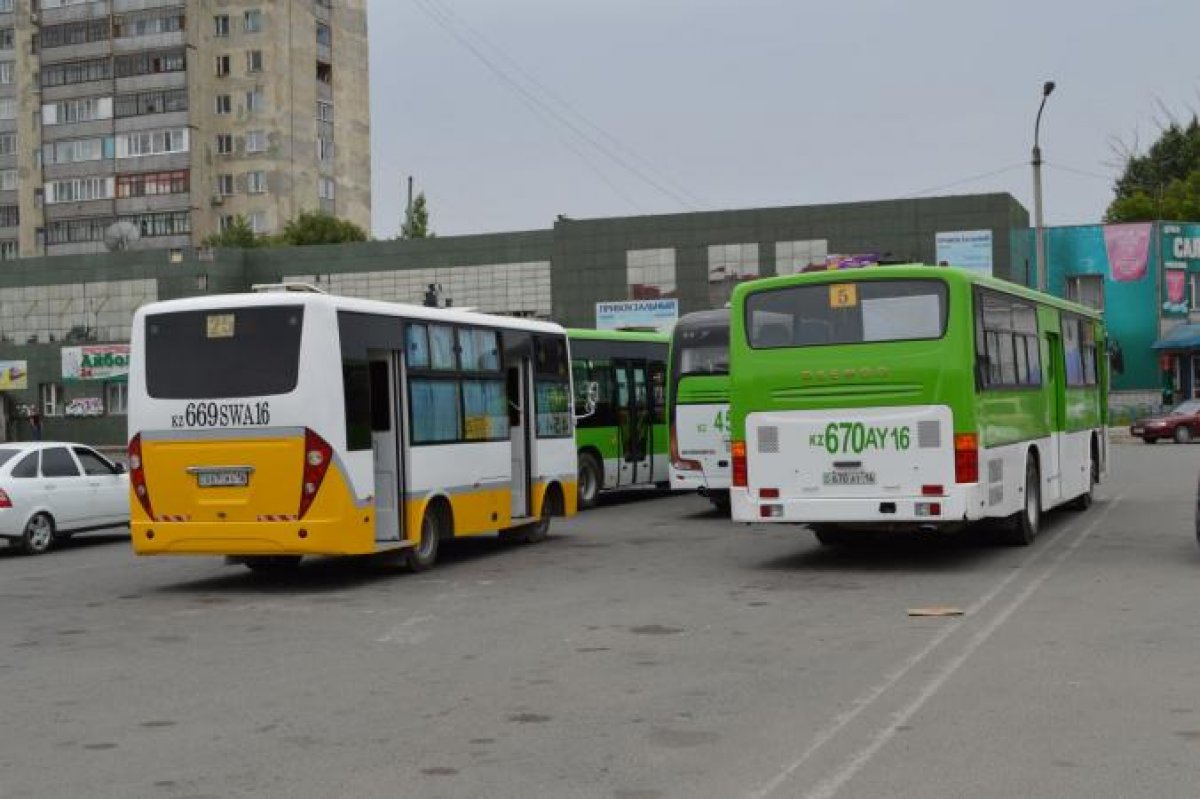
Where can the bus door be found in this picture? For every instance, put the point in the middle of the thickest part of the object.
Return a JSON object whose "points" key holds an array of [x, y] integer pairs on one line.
{"points": [[385, 445], [1056, 376], [634, 422], [519, 415]]}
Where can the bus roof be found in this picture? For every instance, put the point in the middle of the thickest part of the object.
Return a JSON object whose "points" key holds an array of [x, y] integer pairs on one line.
{"points": [[718, 317], [911, 272], [399, 309], [586, 334]]}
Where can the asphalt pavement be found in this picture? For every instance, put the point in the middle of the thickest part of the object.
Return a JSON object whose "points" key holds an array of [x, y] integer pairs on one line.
{"points": [[648, 649]]}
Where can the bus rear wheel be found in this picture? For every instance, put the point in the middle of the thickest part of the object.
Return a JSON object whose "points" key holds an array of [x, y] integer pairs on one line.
{"points": [[1024, 525], [720, 501], [591, 477], [433, 526]]}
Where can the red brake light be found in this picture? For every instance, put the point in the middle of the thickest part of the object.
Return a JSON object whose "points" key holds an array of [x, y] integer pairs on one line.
{"points": [[678, 462], [768, 493], [137, 475], [5, 502], [741, 471], [932, 491], [317, 455], [966, 458]]}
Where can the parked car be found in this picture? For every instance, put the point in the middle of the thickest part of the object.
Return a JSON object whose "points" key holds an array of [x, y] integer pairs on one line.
{"points": [[52, 490], [1181, 423], [1198, 512]]}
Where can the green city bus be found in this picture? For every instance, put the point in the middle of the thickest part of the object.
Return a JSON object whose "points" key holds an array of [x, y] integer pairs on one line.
{"points": [[913, 397], [699, 394], [623, 442]]}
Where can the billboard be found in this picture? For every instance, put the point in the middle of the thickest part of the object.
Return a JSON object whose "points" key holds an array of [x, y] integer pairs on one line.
{"points": [[14, 375], [659, 315], [96, 362], [968, 249], [1181, 259]]}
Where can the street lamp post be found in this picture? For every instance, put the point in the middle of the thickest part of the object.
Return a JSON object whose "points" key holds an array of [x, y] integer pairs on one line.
{"points": [[1039, 228]]}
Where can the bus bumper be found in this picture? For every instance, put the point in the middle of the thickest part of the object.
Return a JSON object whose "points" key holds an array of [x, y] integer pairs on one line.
{"points": [[304, 537], [956, 506]]}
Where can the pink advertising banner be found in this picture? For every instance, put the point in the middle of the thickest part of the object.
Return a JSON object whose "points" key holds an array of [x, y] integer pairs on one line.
{"points": [[1128, 249], [1176, 286]]}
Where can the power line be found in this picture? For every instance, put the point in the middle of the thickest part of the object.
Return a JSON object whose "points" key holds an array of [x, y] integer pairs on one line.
{"points": [[971, 179], [496, 70], [1082, 172], [450, 15]]}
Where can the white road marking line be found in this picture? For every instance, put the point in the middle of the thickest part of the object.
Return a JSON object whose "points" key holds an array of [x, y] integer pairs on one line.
{"points": [[829, 787], [864, 700]]}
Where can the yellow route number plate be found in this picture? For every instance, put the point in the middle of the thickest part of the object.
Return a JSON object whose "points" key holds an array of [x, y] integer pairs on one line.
{"points": [[843, 295]]}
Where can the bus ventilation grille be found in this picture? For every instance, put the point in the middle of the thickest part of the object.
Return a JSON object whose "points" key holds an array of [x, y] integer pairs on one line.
{"points": [[768, 440], [929, 435]]}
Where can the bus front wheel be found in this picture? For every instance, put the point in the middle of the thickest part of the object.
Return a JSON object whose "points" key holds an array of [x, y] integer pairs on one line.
{"points": [[433, 526], [1024, 525], [591, 477]]}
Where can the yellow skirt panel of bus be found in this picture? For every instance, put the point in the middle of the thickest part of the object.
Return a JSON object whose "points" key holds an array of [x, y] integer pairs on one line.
{"points": [[258, 518]]}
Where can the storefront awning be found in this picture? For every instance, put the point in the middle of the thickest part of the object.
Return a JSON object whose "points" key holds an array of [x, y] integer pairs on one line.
{"points": [[1180, 337]]}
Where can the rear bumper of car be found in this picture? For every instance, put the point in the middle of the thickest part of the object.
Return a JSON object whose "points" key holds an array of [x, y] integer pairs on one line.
{"points": [[959, 504]]}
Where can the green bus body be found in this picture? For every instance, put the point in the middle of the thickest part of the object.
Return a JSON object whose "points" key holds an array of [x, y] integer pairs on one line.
{"points": [[1001, 403], [624, 442]]}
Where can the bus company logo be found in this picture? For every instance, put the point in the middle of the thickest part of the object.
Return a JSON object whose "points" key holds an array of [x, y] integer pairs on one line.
{"points": [[861, 373]]}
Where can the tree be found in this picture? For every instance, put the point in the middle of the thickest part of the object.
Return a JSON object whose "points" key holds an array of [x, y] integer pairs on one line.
{"points": [[237, 234], [318, 227], [1163, 183], [416, 220]]}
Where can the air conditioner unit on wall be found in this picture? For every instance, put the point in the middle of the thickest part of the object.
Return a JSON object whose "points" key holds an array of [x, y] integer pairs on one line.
{"points": [[217, 199]]}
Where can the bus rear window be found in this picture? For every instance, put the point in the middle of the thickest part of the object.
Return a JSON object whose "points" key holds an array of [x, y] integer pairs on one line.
{"points": [[847, 313], [703, 351], [222, 353]]}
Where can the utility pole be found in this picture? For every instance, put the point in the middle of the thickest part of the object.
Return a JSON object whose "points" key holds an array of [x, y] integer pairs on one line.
{"points": [[1039, 227], [407, 212]]}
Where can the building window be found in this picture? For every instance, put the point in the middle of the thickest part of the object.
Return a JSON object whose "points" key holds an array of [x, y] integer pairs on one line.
{"points": [[224, 104], [10, 216], [225, 185], [116, 398], [149, 23], [77, 72], [6, 38], [255, 100], [252, 21], [325, 73], [224, 144], [324, 35], [156, 102], [8, 107], [222, 66], [793, 257], [87, 109], [8, 143], [1086, 290], [728, 265], [324, 111], [169, 223], [258, 222], [225, 222], [6, 6], [74, 151], [74, 33], [74, 231], [324, 149], [128, 66], [256, 141], [152, 184], [325, 188], [256, 182], [221, 25], [7, 70], [8, 179], [52, 399], [77, 190], [650, 274], [8, 250], [152, 142], [254, 61]]}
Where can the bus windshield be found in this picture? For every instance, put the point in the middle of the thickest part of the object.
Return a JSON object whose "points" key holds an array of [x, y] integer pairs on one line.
{"points": [[847, 313], [223, 353]]}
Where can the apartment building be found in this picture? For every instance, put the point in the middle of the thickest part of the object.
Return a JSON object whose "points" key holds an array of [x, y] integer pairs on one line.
{"points": [[175, 117]]}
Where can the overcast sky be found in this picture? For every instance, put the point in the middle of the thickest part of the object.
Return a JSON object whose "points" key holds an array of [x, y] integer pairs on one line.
{"points": [[658, 106]]}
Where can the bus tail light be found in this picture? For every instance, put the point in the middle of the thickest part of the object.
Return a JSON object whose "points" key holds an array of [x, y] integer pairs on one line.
{"points": [[740, 471], [966, 458], [768, 493], [137, 475], [317, 455], [678, 462], [932, 490]]}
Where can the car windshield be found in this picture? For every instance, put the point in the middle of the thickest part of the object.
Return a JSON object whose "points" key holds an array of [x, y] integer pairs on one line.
{"points": [[8, 454], [1186, 408]]}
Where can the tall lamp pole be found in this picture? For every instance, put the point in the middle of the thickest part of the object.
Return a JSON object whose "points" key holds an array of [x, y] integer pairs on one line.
{"points": [[1039, 227]]}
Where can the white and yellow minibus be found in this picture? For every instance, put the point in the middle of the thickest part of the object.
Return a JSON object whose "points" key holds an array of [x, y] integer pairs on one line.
{"points": [[287, 422]]}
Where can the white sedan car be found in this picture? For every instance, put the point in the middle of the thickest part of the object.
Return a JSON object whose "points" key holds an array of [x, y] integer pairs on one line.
{"points": [[52, 490]]}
